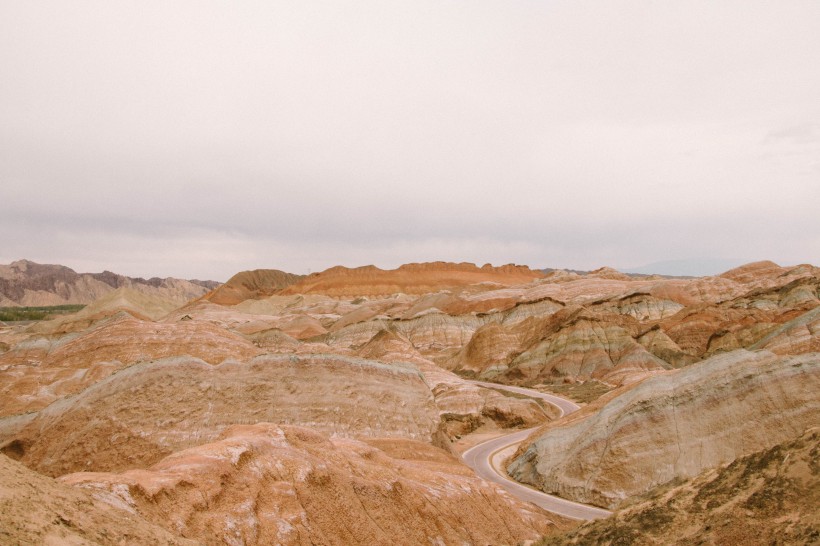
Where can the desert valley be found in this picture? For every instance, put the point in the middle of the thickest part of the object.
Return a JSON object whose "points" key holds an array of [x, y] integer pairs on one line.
{"points": [[409, 273], [352, 406]]}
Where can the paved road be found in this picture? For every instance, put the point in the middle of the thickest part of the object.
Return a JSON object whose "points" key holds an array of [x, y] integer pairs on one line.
{"points": [[481, 458]]}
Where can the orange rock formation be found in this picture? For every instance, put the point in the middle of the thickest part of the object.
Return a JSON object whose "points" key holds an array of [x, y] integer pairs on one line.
{"points": [[408, 279]]}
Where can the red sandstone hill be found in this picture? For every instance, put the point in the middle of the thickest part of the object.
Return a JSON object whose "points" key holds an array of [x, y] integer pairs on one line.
{"points": [[415, 278], [304, 416], [255, 284]]}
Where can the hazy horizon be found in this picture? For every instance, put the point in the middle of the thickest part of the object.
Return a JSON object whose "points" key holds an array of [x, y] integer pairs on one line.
{"points": [[198, 139], [680, 268]]}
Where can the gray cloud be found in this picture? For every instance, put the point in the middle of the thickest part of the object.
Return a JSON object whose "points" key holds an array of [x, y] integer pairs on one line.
{"points": [[803, 133], [198, 139]]}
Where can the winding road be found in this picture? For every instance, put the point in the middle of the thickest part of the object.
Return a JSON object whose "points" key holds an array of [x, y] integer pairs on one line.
{"points": [[486, 458]]}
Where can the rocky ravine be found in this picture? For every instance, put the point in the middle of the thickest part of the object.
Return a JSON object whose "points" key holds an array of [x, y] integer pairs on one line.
{"points": [[674, 426]]}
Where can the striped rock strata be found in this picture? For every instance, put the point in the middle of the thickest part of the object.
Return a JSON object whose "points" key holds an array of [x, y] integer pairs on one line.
{"points": [[269, 484], [146, 411], [674, 426]]}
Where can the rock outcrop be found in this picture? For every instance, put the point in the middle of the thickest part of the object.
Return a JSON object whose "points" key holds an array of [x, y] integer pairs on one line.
{"points": [[586, 346], [40, 371], [463, 407], [146, 411], [675, 426], [35, 509], [280, 409], [421, 278], [270, 484], [769, 497], [252, 285]]}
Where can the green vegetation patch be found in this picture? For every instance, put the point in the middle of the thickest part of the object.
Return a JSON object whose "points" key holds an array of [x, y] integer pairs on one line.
{"points": [[547, 407], [581, 393], [12, 314]]}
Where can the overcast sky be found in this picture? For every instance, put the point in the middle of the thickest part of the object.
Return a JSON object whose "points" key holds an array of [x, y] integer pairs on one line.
{"points": [[198, 139]]}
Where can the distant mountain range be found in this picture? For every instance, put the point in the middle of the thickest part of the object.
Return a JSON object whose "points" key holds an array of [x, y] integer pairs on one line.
{"points": [[699, 267], [28, 283]]}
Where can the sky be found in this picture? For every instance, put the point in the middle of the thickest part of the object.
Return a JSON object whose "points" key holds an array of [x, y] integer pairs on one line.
{"points": [[197, 139]]}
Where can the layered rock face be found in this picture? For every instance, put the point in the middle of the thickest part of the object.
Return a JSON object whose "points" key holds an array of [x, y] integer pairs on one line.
{"points": [[271, 484], [675, 426], [603, 325], [756, 272], [280, 409], [562, 328], [371, 410], [39, 371], [462, 406], [146, 411], [798, 336], [28, 283], [408, 279], [769, 497], [585, 346], [248, 285]]}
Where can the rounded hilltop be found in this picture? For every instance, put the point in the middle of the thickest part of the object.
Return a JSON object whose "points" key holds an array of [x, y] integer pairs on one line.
{"points": [[360, 384], [255, 284]]}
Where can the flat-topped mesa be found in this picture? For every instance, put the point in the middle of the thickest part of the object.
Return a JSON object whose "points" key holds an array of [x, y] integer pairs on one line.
{"points": [[414, 278], [255, 284]]}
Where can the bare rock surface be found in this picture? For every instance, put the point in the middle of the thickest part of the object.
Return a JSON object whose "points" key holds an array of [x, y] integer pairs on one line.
{"points": [[769, 497], [463, 407], [754, 272], [800, 335], [27, 283], [35, 509], [421, 278], [586, 346], [247, 285], [675, 425], [601, 325], [270, 484], [146, 411], [41, 371], [256, 412], [618, 330]]}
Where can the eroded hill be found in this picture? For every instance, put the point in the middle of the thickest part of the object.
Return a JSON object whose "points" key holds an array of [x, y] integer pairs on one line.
{"points": [[674, 426], [28, 283], [247, 415], [768, 497]]}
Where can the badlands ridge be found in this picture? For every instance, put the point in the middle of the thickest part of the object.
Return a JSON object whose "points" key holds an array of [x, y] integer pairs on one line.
{"points": [[333, 408]]}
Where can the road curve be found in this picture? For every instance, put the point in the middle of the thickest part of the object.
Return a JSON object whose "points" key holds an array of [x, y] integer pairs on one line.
{"points": [[480, 459]]}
